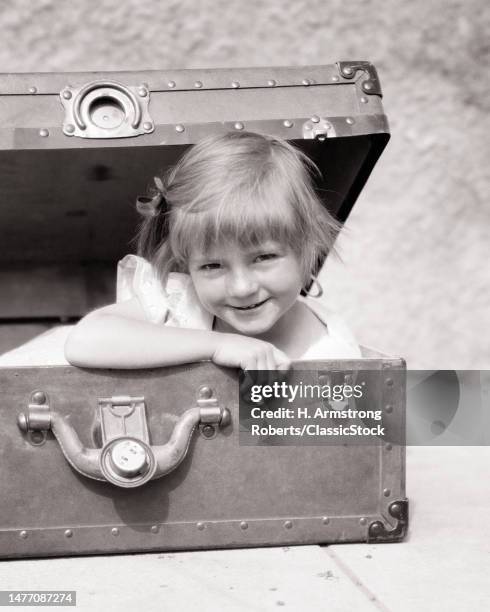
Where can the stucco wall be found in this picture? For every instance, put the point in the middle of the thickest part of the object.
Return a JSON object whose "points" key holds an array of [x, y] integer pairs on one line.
{"points": [[415, 274]]}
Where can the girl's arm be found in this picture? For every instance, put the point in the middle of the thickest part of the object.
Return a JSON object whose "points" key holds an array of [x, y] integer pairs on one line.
{"points": [[118, 336]]}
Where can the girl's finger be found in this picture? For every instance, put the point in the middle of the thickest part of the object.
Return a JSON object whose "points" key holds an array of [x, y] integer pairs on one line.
{"points": [[282, 360], [248, 363], [274, 374], [271, 362], [262, 368]]}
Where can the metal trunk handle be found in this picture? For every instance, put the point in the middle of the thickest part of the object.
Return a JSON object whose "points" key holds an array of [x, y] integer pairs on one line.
{"points": [[106, 109], [126, 457]]}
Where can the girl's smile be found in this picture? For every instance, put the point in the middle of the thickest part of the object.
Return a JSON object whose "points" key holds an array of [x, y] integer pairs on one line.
{"points": [[249, 290], [252, 306]]}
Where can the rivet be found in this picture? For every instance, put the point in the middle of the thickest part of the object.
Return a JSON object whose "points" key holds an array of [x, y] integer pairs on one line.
{"points": [[32, 90], [201, 526], [37, 437], [115, 531], [350, 121], [39, 397], [315, 119], [243, 525], [208, 431], [70, 128], [288, 524], [395, 509], [364, 100], [198, 84], [154, 529], [147, 125], [347, 71], [143, 92], [43, 132], [171, 84], [287, 123], [376, 528], [367, 85], [205, 392], [363, 521], [179, 128], [272, 82], [239, 125], [335, 78], [23, 534], [67, 94], [235, 84], [437, 427], [306, 82], [325, 520], [389, 382], [386, 492], [389, 409], [68, 533], [388, 447]]}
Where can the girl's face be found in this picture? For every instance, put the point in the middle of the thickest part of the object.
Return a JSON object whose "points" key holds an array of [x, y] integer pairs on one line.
{"points": [[249, 290]]}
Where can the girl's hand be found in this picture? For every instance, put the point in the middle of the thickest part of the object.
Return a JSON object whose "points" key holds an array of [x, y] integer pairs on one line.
{"points": [[236, 351]]}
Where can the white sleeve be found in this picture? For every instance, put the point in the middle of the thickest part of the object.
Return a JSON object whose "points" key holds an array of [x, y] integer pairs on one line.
{"points": [[136, 278], [175, 305]]}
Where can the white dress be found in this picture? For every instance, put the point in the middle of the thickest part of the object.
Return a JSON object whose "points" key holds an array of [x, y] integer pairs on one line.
{"points": [[178, 306]]}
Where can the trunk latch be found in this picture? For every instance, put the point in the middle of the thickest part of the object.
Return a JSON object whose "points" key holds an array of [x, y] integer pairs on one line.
{"points": [[126, 457]]}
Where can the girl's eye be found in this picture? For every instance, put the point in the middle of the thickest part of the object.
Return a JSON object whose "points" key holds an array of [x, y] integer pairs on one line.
{"points": [[265, 257], [210, 266]]}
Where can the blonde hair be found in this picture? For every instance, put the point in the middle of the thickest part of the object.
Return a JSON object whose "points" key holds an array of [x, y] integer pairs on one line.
{"points": [[241, 187]]}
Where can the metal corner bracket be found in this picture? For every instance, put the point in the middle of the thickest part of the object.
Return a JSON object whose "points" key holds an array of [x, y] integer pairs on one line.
{"points": [[377, 531], [369, 85]]}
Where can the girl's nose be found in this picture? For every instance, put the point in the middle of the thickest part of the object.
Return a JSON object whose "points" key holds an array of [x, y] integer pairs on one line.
{"points": [[241, 284]]}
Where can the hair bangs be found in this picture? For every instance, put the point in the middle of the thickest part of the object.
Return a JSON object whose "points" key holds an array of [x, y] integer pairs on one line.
{"points": [[245, 216]]}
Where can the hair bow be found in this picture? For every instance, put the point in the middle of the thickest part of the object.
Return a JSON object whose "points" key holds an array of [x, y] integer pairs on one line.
{"points": [[151, 206]]}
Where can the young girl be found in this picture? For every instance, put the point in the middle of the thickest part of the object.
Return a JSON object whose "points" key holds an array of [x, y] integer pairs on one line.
{"points": [[230, 237]]}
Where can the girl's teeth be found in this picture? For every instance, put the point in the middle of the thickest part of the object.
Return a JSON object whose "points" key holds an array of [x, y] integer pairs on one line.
{"points": [[248, 307]]}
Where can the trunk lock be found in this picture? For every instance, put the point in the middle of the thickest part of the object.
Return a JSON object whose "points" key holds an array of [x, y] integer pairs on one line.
{"points": [[128, 458]]}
